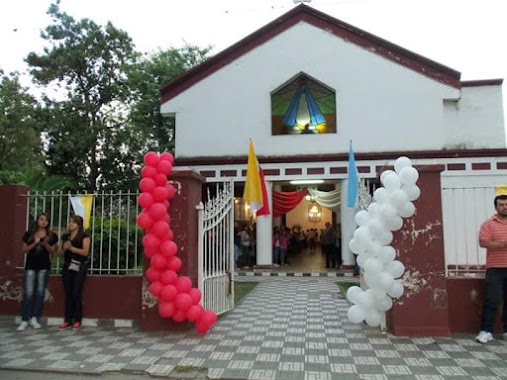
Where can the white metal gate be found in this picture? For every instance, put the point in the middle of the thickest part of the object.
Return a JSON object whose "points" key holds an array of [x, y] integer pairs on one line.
{"points": [[216, 249], [464, 209]]}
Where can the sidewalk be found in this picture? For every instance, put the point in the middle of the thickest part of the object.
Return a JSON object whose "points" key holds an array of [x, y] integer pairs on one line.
{"points": [[286, 328]]}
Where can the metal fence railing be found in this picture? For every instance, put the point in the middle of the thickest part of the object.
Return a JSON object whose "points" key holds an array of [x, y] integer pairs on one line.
{"points": [[116, 239], [464, 209]]}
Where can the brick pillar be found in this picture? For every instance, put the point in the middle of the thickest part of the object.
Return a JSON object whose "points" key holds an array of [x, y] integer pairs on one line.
{"points": [[12, 227], [423, 309], [184, 218]]}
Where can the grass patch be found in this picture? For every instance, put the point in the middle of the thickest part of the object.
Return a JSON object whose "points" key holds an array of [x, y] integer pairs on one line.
{"points": [[241, 289], [344, 285], [188, 368]]}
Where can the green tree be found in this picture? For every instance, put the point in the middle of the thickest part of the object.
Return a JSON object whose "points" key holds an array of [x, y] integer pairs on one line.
{"points": [[20, 143], [146, 80], [87, 64]]}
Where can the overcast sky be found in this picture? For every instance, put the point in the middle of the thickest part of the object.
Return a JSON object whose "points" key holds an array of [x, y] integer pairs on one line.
{"points": [[466, 35]]}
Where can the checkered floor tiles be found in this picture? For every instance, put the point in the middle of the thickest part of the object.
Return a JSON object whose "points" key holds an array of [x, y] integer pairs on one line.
{"points": [[286, 328]]}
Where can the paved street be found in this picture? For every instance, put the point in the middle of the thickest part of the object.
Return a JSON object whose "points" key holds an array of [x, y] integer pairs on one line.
{"points": [[286, 328]]}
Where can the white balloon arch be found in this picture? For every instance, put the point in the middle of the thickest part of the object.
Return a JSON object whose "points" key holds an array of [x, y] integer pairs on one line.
{"points": [[372, 239]]}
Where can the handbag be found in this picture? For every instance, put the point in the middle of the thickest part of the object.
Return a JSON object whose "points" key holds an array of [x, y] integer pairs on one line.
{"points": [[74, 265]]}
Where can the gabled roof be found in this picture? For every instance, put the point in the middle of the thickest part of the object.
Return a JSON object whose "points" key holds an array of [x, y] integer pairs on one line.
{"points": [[321, 20]]}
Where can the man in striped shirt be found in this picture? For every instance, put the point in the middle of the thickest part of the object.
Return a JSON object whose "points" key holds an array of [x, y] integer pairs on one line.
{"points": [[493, 237]]}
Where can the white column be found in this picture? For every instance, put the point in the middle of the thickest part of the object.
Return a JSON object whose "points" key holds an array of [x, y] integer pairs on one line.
{"points": [[348, 224], [276, 221], [265, 233]]}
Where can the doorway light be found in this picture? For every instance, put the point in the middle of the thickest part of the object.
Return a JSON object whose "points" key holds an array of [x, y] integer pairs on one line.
{"points": [[306, 181]]}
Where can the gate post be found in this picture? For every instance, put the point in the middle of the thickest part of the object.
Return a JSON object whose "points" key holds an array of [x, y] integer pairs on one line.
{"points": [[423, 309], [184, 224], [12, 226]]}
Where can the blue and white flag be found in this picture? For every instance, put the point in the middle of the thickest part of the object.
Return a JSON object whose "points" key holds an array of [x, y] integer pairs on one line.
{"points": [[353, 179]]}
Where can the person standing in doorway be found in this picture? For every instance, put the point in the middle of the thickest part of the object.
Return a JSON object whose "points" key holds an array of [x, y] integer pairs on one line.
{"points": [[75, 249], [38, 244], [328, 244], [493, 237]]}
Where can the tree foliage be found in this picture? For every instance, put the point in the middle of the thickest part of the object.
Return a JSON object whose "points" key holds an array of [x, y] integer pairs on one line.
{"points": [[146, 79], [88, 63], [20, 144]]}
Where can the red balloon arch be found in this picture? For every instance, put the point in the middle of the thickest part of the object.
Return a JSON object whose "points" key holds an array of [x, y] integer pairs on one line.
{"points": [[177, 299]]}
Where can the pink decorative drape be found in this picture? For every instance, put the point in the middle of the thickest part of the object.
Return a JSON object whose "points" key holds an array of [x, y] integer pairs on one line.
{"points": [[284, 201]]}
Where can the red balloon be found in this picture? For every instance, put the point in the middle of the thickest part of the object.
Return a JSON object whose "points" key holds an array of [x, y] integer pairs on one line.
{"points": [[168, 248], [209, 317], [166, 204], [194, 312], [160, 229], [156, 288], [174, 263], [150, 252], [146, 200], [183, 284], [158, 261], [150, 241], [160, 179], [171, 189], [169, 277], [164, 167], [144, 220], [201, 327], [179, 316], [160, 193], [168, 293], [151, 159], [170, 235], [182, 301], [157, 211], [148, 172], [195, 294], [166, 309], [147, 185], [153, 274], [166, 156]]}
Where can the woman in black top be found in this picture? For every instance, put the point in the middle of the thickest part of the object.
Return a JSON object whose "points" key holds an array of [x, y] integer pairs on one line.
{"points": [[38, 244], [75, 249]]}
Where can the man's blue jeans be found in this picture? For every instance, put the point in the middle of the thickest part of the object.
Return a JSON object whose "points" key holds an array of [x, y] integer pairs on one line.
{"points": [[34, 282], [495, 285]]}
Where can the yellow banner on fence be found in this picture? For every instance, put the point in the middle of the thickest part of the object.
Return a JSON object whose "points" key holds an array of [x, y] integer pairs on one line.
{"points": [[501, 190], [82, 205]]}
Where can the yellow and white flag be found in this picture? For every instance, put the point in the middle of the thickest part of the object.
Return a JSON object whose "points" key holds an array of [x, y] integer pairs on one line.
{"points": [[82, 205], [501, 190]]}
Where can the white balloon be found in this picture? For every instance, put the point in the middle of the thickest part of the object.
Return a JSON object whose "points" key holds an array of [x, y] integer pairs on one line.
{"points": [[396, 268], [394, 223], [355, 247], [376, 228], [362, 218], [398, 198], [387, 211], [385, 280], [409, 176], [374, 209], [353, 292], [373, 248], [391, 181], [381, 195], [401, 163], [373, 266], [362, 235], [356, 314], [383, 304], [365, 299], [396, 289], [386, 237], [384, 173], [361, 260], [413, 192], [407, 210], [378, 294], [371, 280], [373, 318], [387, 254]]}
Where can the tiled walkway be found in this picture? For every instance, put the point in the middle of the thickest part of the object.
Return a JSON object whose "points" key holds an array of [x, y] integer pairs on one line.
{"points": [[286, 328]]}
